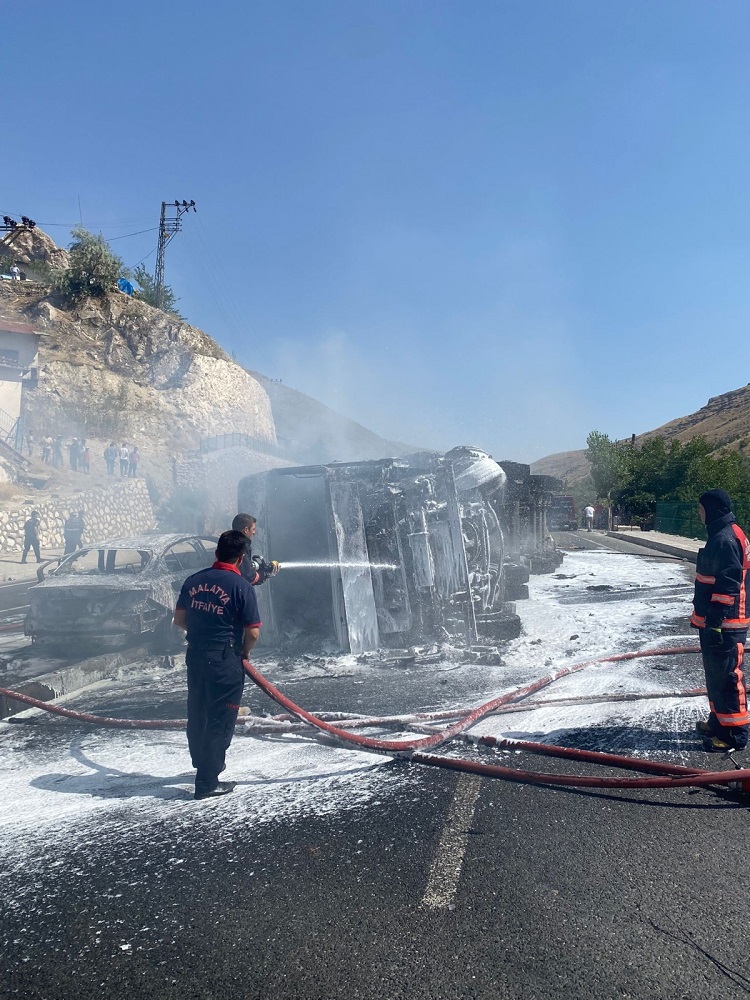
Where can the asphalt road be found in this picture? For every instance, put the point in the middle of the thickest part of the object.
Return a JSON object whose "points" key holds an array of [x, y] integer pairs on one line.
{"points": [[436, 887], [582, 539], [14, 597]]}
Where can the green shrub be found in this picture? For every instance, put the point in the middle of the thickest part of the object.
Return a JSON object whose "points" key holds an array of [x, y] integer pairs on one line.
{"points": [[93, 270], [147, 293]]}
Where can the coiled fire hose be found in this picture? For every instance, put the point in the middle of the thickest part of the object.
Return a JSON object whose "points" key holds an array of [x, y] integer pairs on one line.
{"points": [[666, 775]]}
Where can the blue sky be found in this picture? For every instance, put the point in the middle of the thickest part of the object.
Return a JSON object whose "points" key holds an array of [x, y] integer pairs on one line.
{"points": [[498, 223]]}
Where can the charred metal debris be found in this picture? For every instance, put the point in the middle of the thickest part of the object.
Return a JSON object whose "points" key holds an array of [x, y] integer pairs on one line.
{"points": [[399, 553]]}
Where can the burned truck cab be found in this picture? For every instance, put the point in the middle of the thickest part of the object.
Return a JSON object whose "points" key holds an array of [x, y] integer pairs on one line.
{"points": [[387, 553]]}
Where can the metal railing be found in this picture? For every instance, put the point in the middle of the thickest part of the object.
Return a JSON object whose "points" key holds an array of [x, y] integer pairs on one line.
{"points": [[679, 519], [238, 440], [11, 430], [683, 518], [7, 424]]}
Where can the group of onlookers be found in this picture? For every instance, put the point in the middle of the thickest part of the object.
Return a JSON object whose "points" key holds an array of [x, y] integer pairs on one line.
{"points": [[79, 458], [128, 457], [79, 455], [52, 449]]}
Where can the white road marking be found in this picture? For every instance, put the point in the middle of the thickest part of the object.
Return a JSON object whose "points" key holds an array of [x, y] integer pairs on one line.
{"points": [[449, 857]]}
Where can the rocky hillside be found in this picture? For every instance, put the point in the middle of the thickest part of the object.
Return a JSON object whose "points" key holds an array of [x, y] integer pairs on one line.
{"points": [[116, 369], [33, 246], [313, 433], [724, 422]]}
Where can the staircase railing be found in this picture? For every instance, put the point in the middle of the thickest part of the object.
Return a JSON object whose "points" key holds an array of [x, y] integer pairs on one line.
{"points": [[238, 440]]}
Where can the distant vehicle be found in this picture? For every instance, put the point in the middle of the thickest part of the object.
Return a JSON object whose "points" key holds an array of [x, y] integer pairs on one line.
{"points": [[116, 593], [562, 514]]}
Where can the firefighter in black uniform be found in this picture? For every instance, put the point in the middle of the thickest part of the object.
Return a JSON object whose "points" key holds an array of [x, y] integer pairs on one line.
{"points": [[720, 613], [254, 568], [218, 610]]}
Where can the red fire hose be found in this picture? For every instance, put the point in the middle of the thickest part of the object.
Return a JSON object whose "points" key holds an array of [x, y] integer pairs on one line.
{"points": [[671, 775], [403, 747], [668, 775]]}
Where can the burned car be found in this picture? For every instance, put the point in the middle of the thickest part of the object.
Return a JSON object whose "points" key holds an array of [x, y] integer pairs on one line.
{"points": [[116, 593], [385, 553]]}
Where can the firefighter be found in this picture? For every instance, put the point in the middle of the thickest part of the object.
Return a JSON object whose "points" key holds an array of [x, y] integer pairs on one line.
{"points": [[218, 610], [254, 568], [720, 615]]}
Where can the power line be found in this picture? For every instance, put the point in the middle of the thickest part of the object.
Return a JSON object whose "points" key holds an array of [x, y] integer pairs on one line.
{"points": [[144, 258], [224, 286], [76, 225], [97, 225], [128, 235], [208, 282]]}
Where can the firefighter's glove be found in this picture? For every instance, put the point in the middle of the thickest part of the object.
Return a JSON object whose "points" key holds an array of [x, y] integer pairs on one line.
{"points": [[265, 569], [715, 638]]}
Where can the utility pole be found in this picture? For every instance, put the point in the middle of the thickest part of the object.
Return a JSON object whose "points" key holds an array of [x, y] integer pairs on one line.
{"points": [[170, 222]]}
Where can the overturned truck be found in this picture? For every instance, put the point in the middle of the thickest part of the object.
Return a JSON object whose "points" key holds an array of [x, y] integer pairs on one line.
{"points": [[386, 553]]}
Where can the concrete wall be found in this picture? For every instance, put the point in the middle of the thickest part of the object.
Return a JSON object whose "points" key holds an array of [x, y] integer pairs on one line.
{"points": [[25, 344], [10, 396], [109, 512]]}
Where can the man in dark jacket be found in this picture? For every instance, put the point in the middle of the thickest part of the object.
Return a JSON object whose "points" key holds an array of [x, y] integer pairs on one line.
{"points": [[254, 569], [31, 536], [720, 613], [73, 532]]}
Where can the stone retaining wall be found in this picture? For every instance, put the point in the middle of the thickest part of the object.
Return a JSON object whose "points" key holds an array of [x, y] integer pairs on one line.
{"points": [[109, 512]]}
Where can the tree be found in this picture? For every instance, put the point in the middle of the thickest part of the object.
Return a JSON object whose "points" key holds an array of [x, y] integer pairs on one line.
{"points": [[147, 292], [608, 463], [93, 270], [640, 477]]}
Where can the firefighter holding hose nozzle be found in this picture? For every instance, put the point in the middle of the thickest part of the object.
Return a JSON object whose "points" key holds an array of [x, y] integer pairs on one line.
{"points": [[720, 614], [254, 569], [219, 612]]}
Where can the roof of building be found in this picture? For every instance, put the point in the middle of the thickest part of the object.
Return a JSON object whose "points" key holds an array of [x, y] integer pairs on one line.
{"points": [[9, 326]]}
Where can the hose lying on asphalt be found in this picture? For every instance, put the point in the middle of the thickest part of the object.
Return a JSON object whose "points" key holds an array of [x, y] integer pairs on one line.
{"points": [[97, 720], [667, 775], [670, 775], [261, 725], [400, 747]]}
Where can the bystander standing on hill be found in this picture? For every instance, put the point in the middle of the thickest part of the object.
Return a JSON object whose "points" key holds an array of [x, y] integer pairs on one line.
{"points": [[85, 458], [46, 449], [29, 444], [73, 454], [110, 457], [124, 459], [133, 458]]}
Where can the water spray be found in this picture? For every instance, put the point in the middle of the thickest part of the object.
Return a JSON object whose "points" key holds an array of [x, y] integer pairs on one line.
{"points": [[335, 564]]}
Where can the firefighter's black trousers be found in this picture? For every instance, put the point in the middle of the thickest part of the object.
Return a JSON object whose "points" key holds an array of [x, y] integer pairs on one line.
{"points": [[725, 683], [215, 679]]}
